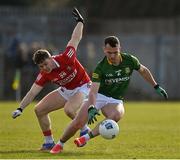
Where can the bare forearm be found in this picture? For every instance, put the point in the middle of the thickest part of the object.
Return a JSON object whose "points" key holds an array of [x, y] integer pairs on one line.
{"points": [[78, 30], [26, 100], [93, 93], [76, 35], [92, 99], [146, 74], [35, 89]]}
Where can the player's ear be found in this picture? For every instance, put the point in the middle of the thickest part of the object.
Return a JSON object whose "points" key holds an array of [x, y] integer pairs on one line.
{"points": [[104, 49]]}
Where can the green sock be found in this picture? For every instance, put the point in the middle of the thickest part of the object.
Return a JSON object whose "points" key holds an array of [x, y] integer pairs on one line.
{"points": [[91, 135]]}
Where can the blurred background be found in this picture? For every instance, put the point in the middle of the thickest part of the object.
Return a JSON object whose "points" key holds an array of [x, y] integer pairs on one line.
{"points": [[148, 29]]}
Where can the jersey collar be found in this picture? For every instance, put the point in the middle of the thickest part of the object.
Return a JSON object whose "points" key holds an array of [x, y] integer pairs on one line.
{"points": [[109, 61], [119, 57], [57, 64]]}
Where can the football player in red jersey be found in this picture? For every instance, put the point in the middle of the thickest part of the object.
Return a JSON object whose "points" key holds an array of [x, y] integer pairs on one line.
{"points": [[66, 71]]}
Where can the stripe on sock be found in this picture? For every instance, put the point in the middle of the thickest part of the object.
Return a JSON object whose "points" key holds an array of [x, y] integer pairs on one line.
{"points": [[47, 133]]}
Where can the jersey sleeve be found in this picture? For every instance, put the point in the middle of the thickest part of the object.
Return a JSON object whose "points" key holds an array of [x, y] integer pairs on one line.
{"points": [[69, 53], [136, 62], [97, 74], [41, 80]]}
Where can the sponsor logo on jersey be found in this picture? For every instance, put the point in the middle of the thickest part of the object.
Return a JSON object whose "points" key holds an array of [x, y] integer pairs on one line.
{"points": [[127, 70], [95, 75], [68, 79], [116, 80], [109, 75]]}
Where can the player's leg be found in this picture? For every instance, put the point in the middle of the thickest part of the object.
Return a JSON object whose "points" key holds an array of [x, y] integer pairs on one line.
{"points": [[49, 103], [71, 107], [73, 104], [79, 121], [85, 90], [110, 111]]}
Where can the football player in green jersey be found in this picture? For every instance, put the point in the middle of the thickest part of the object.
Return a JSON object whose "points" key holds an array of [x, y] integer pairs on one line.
{"points": [[110, 81]]}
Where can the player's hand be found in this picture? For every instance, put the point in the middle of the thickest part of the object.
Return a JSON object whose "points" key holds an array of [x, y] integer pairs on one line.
{"points": [[161, 91], [78, 17], [92, 112], [17, 113]]}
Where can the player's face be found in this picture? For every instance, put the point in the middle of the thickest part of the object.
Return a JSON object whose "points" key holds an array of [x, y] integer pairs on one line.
{"points": [[113, 54], [46, 65]]}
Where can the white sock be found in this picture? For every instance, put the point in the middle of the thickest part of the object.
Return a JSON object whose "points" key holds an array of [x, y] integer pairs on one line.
{"points": [[87, 137], [85, 127], [49, 139], [61, 143]]}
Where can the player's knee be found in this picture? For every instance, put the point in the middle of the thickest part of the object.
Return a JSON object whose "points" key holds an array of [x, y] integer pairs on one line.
{"points": [[77, 123], [116, 116], [38, 110], [70, 112]]}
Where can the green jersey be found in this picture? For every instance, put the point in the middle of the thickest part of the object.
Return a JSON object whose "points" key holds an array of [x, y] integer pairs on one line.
{"points": [[114, 80]]}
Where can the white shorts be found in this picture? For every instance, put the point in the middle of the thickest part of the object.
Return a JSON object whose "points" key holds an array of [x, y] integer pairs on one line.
{"points": [[66, 93], [103, 100]]}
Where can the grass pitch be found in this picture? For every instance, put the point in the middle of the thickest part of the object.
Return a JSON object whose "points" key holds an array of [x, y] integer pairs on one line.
{"points": [[148, 130]]}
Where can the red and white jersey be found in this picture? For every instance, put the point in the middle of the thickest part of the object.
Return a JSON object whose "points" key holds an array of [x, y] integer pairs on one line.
{"points": [[69, 72]]}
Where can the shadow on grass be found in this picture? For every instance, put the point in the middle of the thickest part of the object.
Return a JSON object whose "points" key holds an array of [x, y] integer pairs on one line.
{"points": [[21, 151], [64, 153]]}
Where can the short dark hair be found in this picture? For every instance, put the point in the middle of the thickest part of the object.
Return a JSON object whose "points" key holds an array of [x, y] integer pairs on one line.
{"points": [[113, 41], [40, 55]]}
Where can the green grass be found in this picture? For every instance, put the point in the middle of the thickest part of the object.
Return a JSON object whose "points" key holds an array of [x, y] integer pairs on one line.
{"points": [[148, 130]]}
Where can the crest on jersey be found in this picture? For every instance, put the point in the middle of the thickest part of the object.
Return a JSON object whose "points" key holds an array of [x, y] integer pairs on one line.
{"points": [[118, 72], [62, 74], [95, 75], [127, 70], [69, 68]]}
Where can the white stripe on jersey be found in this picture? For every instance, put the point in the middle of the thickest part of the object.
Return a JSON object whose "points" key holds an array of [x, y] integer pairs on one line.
{"points": [[39, 77], [70, 53]]}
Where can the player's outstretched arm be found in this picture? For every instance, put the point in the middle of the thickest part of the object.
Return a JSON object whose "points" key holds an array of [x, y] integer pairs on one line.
{"points": [[35, 89], [147, 75], [78, 30]]}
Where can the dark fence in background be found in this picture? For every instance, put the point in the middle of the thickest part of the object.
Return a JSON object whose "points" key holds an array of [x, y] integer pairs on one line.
{"points": [[154, 41]]}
